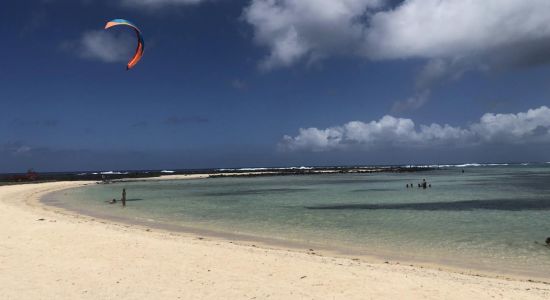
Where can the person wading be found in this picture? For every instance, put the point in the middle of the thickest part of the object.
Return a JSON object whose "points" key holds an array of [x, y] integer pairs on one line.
{"points": [[123, 197]]}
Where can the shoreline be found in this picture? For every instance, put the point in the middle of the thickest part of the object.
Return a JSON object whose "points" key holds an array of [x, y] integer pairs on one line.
{"points": [[279, 244], [247, 240], [32, 205]]}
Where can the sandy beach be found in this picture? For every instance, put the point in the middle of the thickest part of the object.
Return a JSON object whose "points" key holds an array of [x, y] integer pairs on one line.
{"points": [[46, 253]]}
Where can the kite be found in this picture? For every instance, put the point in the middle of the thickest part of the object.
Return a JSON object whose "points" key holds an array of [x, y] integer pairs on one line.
{"points": [[141, 43]]}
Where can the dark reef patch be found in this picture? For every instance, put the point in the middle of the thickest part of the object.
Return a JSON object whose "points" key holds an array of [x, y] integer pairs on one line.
{"points": [[495, 204]]}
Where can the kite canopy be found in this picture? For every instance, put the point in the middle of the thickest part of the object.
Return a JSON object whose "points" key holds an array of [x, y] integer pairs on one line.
{"points": [[141, 43]]}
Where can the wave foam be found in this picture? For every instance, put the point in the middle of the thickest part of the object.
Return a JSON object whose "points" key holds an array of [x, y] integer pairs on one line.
{"points": [[112, 173], [266, 169]]}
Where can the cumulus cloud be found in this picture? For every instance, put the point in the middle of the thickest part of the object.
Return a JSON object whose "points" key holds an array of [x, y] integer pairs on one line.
{"points": [[106, 46], [313, 29], [455, 28], [430, 29], [532, 126], [453, 36]]}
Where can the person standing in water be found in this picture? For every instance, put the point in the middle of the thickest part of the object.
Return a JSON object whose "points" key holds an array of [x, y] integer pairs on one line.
{"points": [[123, 197]]}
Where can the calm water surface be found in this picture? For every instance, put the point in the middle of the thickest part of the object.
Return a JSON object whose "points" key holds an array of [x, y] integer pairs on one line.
{"points": [[489, 218]]}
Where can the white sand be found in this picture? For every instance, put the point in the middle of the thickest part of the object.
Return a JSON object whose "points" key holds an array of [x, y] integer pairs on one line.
{"points": [[71, 257]]}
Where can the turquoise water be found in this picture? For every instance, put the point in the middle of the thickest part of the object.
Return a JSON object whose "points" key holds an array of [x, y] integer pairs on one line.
{"points": [[488, 218]]}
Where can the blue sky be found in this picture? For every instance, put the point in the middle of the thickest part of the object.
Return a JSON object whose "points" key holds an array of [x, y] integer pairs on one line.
{"points": [[273, 83]]}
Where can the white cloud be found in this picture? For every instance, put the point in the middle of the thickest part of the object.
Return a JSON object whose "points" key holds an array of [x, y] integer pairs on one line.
{"points": [[107, 46], [453, 36], [532, 126], [454, 28], [314, 139], [295, 30], [312, 29]]}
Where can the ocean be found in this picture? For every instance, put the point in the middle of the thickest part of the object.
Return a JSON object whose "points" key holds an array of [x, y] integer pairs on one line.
{"points": [[492, 218]]}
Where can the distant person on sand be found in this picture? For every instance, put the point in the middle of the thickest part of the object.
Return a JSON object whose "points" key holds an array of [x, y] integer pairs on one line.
{"points": [[548, 241], [111, 201]]}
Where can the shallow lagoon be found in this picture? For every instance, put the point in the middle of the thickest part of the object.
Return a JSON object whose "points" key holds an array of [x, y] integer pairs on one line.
{"points": [[492, 218]]}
